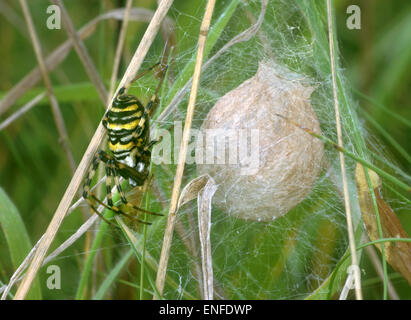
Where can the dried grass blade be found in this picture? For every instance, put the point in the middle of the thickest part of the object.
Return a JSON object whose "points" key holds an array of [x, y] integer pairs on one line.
{"points": [[82, 52], [168, 235], [71, 190], [204, 225], [202, 188], [119, 48], [32, 103], [351, 237], [398, 254], [55, 108], [58, 55]]}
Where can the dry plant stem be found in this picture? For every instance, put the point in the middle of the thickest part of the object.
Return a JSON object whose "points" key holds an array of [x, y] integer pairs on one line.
{"points": [[116, 64], [73, 238], [82, 52], [13, 18], [376, 262], [59, 54], [243, 36], [187, 239], [168, 235], [58, 117], [370, 250], [16, 275], [66, 244], [204, 227], [351, 237], [22, 110], [75, 183], [119, 48], [202, 188]]}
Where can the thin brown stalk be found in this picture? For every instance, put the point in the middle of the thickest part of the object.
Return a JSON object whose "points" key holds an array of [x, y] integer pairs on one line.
{"points": [[189, 241], [114, 74], [59, 55], [66, 244], [58, 117], [351, 237], [241, 37], [376, 262], [168, 235], [13, 18], [17, 275], [22, 111], [75, 183], [82, 52], [119, 48]]}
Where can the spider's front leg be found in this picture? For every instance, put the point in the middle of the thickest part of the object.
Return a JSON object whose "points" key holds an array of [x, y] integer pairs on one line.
{"points": [[152, 105], [114, 170]]}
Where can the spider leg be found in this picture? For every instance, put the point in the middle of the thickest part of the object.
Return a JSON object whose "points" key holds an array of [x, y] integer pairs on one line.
{"points": [[143, 73], [91, 204], [87, 195], [124, 199], [123, 90], [110, 174], [109, 183], [152, 104], [152, 143], [117, 210], [91, 173]]}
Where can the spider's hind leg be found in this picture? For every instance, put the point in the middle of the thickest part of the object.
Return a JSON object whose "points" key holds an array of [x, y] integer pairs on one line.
{"points": [[152, 143], [111, 173], [124, 199], [87, 194]]}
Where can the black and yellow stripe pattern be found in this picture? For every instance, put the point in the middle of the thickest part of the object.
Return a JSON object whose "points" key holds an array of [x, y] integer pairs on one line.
{"points": [[126, 126]]}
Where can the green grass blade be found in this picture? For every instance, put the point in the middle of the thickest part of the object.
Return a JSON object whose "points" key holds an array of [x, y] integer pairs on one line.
{"points": [[149, 261], [17, 238], [214, 34], [383, 108], [333, 282], [132, 241], [315, 14], [387, 136], [112, 276], [81, 289]]}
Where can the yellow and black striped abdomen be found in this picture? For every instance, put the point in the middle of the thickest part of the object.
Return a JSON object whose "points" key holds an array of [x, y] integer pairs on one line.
{"points": [[122, 122]]}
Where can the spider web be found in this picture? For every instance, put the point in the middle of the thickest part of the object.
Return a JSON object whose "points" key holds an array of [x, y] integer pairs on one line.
{"points": [[287, 258], [292, 256]]}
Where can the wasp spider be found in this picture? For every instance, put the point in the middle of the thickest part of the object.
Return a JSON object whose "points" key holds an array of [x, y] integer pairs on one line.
{"points": [[128, 126]]}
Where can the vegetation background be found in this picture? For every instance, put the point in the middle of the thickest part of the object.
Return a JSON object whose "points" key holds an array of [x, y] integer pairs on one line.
{"points": [[34, 172]]}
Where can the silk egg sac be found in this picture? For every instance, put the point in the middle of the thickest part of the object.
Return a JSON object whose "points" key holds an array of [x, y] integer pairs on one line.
{"points": [[264, 165]]}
